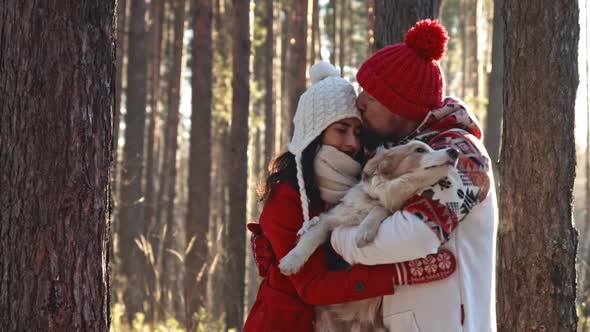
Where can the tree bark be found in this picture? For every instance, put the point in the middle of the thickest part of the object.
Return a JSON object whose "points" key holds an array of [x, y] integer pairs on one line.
{"points": [[234, 306], [57, 87], [315, 33], [269, 98], [333, 30], [537, 242], [169, 171], [342, 51], [473, 50], [132, 207], [157, 9], [199, 182], [394, 18], [121, 53], [295, 66], [494, 116]]}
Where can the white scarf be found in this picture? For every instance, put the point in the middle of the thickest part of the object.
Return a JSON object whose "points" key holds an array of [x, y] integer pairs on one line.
{"points": [[336, 172]]}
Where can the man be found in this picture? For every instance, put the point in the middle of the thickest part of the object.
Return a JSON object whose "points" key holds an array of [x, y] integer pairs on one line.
{"points": [[402, 100]]}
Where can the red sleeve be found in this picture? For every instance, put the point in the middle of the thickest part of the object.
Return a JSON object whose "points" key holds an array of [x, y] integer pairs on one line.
{"points": [[280, 220]]}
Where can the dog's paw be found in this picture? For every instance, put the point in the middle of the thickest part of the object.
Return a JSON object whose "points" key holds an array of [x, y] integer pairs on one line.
{"points": [[364, 237], [290, 264]]}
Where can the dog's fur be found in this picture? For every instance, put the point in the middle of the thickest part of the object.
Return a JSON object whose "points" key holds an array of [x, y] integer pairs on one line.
{"points": [[388, 180]]}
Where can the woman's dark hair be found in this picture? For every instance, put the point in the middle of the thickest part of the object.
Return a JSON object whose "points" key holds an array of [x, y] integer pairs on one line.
{"points": [[284, 168]]}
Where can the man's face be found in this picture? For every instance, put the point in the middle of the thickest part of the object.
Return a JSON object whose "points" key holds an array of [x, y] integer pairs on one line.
{"points": [[380, 123]]}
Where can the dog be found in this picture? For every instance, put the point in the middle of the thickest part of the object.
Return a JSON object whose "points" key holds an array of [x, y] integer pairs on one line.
{"points": [[388, 179]]}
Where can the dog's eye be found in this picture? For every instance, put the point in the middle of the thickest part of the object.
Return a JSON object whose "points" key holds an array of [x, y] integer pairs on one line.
{"points": [[420, 150]]}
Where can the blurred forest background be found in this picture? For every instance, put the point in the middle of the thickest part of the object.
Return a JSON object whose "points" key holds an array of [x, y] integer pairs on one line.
{"points": [[179, 246], [204, 92]]}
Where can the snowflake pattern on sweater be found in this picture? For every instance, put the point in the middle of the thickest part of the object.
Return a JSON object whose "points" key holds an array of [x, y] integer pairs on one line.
{"points": [[443, 206]]}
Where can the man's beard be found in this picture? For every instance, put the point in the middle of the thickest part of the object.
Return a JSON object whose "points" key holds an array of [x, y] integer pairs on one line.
{"points": [[370, 139]]}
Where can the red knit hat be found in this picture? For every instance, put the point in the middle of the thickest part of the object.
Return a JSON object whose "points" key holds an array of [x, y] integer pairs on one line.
{"points": [[406, 77]]}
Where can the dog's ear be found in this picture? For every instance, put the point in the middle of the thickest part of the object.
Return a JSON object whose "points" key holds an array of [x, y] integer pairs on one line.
{"points": [[382, 164], [371, 166]]}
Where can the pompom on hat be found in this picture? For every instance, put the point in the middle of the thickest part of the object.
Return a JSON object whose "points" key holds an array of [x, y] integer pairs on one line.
{"points": [[406, 77], [329, 99]]}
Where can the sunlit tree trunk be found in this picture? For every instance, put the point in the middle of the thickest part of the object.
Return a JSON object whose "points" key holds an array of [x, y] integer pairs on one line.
{"points": [[394, 18], [234, 306], [295, 66], [121, 54], [269, 98], [537, 242], [57, 92], [156, 29], [169, 171], [199, 182]]}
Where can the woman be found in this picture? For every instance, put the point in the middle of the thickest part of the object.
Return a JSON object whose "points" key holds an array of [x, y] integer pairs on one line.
{"points": [[319, 167]]}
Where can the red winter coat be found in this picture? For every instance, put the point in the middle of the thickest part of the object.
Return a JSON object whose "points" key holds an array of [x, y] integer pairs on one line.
{"points": [[285, 304]]}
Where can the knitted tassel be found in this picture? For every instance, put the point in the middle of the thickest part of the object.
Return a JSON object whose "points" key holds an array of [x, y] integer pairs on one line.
{"points": [[301, 184]]}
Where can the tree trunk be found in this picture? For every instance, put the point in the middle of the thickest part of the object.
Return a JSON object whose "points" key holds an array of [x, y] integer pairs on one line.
{"points": [[57, 86], [537, 242], [333, 31], [157, 9], [315, 33], [197, 221], [169, 260], [371, 27], [121, 53], [473, 42], [464, 52], [132, 207], [394, 18], [494, 117], [295, 66], [342, 51], [234, 306], [216, 285], [269, 98]]}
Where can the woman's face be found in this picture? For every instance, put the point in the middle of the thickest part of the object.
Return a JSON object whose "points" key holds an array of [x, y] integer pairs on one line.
{"points": [[344, 135]]}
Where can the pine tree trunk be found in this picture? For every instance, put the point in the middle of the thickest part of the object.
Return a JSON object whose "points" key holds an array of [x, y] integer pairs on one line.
{"points": [[342, 52], [157, 9], [199, 183], [394, 18], [57, 87], [584, 252], [333, 31], [537, 242], [295, 66], [315, 33], [464, 52], [370, 27], [169, 171], [121, 53], [234, 305], [494, 117], [269, 99], [216, 285], [132, 207], [473, 42]]}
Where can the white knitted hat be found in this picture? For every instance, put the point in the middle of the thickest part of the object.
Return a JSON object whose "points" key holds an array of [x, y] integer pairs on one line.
{"points": [[329, 99]]}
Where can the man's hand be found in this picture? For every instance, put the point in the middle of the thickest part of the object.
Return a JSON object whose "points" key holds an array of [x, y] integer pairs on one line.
{"points": [[262, 250]]}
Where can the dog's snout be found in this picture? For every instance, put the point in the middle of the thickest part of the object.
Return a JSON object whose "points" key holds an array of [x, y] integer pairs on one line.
{"points": [[453, 153]]}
